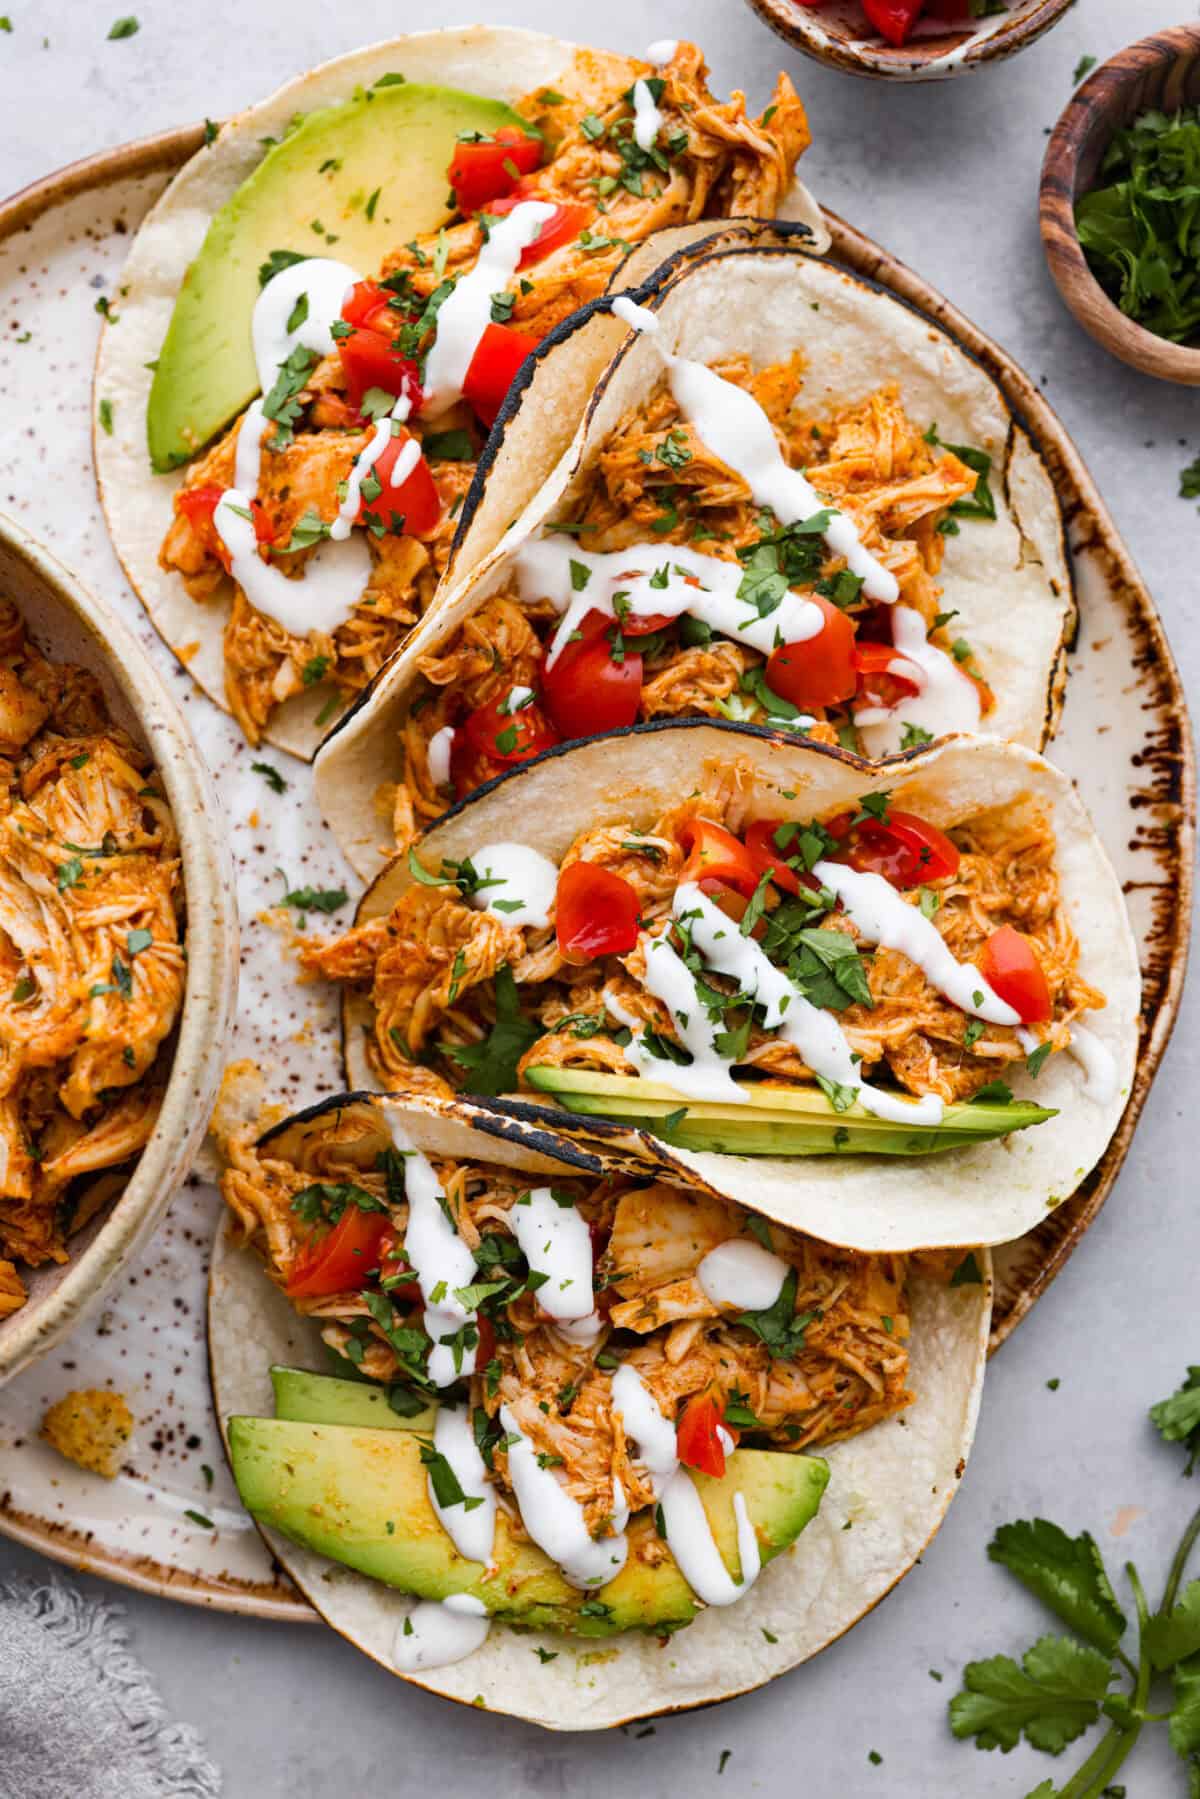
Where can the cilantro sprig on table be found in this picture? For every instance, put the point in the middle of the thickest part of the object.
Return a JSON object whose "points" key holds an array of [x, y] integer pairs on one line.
{"points": [[1063, 1685]]}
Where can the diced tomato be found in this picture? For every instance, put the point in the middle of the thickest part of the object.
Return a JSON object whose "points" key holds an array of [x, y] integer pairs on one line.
{"points": [[415, 500], [485, 1349], [339, 1259], [369, 305], [492, 369], [565, 223], [696, 1441], [766, 855], [949, 10], [596, 913], [198, 504], [1009, 964], [820, 671], [893, 19], [635, 625], [368, 360], [491, 740], [392, 1259], [879, 684], [905, 849], [715, 854], [488, 170], [587, 691]]}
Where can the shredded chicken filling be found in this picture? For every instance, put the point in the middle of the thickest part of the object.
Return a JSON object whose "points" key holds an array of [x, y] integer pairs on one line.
{"points": [[91, 952]]}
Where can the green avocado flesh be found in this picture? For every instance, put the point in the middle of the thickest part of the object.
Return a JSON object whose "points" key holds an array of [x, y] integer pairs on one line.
{"points": [[336, 1489], [792, 1121], [326, 1399], [312, 193]]}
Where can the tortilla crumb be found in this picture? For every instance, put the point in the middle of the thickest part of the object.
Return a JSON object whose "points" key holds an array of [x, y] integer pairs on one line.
{"points": [[90, 1427]]}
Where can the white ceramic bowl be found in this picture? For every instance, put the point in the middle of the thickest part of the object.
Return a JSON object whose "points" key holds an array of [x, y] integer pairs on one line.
{"points": [[70, 625]]}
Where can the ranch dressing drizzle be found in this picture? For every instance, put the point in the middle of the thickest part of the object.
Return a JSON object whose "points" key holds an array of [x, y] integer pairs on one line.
{"points": [[525, 880], [365, 461], [545, 571], [948, 699], [440, 1631], [441, 1261], [692, 1543], [555, 1241], [707, 1077], [884, 916], [466, 313], [652, 1435], [737, 431], [742, 1275], [1097, 1062], [320, 281], [333, 579], [646, 117], [473, 1532], [555, 1520], [814, 1033], [437, 754], [662, 51]]}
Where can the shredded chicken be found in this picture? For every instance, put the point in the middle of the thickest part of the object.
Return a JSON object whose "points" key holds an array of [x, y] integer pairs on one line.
{"points": [[848, 1370], [710, 160], [576, 1016], [91, 953], [653, 479]]}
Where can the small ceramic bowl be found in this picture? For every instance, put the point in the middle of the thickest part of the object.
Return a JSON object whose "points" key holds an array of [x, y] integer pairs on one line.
{"points": [[839, 34], [70, 625], [1160, 71]]}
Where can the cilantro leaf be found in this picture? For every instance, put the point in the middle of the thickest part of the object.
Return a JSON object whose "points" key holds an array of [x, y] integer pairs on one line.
{"points": [[1177, 1419], [1050, 1699], [779, 1325], [491, 1066], [1185, 1713], [324, 1201], [1172, 1636], [1065, 1573]]}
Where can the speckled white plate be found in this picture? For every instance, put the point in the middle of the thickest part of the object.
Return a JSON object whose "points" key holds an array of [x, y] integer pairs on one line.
{"points": [[62, 244]]}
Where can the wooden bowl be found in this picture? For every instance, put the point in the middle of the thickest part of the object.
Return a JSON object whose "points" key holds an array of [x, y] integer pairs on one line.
{"points": [[837, 34], [1160, 71], [70, 625]]}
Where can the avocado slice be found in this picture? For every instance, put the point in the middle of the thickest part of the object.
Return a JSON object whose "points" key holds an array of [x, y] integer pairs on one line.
{"points": [[360, 1497], [330, 1399], [778, 1121], [351, 181]]}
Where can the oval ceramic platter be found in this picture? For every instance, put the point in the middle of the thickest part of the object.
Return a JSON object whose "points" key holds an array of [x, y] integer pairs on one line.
{"points": [[162, 1525]]}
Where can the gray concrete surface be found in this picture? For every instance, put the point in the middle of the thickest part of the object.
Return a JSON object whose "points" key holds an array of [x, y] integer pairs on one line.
{"points": [[947, 178]]}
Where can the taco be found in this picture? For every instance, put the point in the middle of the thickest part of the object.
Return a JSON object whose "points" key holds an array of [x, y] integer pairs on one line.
{"points": [[575, 1402], [382, 323], [851, 997], [912, 580]]}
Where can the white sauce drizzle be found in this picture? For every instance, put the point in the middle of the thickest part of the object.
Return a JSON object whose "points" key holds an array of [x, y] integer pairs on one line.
{"points": [[466, 313], [555, 1241], [948, 699], [473, 1532], [320, 280], [438, 755], [525, 879], [365, 461], [441, 1261], [1098, 1064], [707, 1076], [884, 916], [694, 1546], [742, 1275], [662, 51], [689, 1535], [737, 431], [814, 1033], [555, 1520], [438, 1632], [544, 572], [652, 1435], [646, 117]]}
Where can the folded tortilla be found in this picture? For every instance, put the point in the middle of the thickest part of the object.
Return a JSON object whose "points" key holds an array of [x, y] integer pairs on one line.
{"points": [[888, 1492], [497, 62], [1007, 579], [988, 1193]]}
